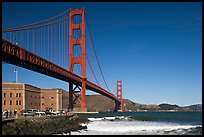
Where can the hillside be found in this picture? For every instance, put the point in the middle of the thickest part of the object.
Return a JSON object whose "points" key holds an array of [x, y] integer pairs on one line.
{"points": [[103, 104], [99, 103], [196, 107]]}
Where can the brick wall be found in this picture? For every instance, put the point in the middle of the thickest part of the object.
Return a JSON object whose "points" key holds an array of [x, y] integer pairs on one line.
{"points": [[12, 96], [32, 97], [24, 96]]}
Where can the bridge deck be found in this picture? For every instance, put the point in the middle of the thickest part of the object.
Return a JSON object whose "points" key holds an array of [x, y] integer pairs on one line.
{"points": [[18, 56]]}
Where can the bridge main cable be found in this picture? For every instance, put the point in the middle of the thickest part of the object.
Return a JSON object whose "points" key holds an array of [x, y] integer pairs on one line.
{"points": [[32, 24], [78, 36], [35, 26], [96, 54]]}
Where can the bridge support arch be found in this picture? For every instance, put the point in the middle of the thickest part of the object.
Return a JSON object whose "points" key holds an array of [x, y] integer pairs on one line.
{"points": [[77, 98]]}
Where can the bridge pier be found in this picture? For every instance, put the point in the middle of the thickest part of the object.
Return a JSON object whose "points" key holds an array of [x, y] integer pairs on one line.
{"points": [[117, 106], [77, 99], [71, 102], [83, 95]]}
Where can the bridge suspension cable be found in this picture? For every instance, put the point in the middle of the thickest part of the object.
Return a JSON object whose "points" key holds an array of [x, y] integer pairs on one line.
{"points": [[45, 38], [78, 54], [32, 27], [32, 24], [95, 53], [92, 71], [46, 33]]}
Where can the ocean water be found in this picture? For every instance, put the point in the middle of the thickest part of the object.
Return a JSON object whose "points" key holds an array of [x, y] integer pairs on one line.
{"points": [[143, 123]]}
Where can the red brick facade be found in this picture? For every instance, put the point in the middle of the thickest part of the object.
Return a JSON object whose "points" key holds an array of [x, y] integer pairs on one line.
{"points": [[12, 96], [23, 96], [55, 99]]}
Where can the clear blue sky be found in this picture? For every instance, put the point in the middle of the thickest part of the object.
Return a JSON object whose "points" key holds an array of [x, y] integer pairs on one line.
{"points": [[154, 48]]}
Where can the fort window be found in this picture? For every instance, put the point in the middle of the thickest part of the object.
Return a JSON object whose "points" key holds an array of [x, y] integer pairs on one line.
{"points": [[4, 94], [52, 97], [16, 94], [10, 94], [10, 102], [16, 102], [19, 102], [4, 102], [19, 94]]}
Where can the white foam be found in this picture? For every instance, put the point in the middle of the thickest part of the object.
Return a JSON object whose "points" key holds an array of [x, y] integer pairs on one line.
{"points": [[120, 117], [110, 118], [83, 124], [95, 119], [132, 128]]}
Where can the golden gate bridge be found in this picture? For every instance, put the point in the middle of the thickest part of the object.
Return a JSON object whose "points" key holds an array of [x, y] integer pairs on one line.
{"points": [[42, 47]]}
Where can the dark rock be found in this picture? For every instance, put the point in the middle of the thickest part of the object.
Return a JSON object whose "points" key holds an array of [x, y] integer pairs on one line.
{"points": [[44, 125]]}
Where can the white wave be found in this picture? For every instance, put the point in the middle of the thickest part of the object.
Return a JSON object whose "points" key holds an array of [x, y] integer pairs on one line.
{"points": [[83, 124], [109, 118], [132, 128], [120, 117], [95, 119]]}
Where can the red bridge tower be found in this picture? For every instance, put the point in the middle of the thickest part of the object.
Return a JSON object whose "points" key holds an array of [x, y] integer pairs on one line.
{"points": [[119, 93], [78, 99]]}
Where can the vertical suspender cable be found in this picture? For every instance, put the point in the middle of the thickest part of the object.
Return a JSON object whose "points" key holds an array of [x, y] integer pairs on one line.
{"points": [[63, 44], [54, 38], [59, 42], [44, 33], [47, 43], [40, 41], [52, 42], [27, 38], [33, 40], [63, 36]]}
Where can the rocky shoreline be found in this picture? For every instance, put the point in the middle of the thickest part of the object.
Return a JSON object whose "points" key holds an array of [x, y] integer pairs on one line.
{"points": [[48, 125]]}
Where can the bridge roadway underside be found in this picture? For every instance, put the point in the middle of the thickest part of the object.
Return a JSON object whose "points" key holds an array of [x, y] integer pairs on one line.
{"points": [[15, 60]]}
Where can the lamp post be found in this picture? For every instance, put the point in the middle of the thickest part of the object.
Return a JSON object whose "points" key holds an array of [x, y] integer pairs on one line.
{"points": [[16, 74]]}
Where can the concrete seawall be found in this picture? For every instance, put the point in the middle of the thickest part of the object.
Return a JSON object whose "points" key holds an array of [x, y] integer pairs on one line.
{"points": [[47, 125]]}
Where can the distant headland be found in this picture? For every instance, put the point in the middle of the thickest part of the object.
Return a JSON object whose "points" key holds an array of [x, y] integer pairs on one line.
{"points": [[101, 103]]}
